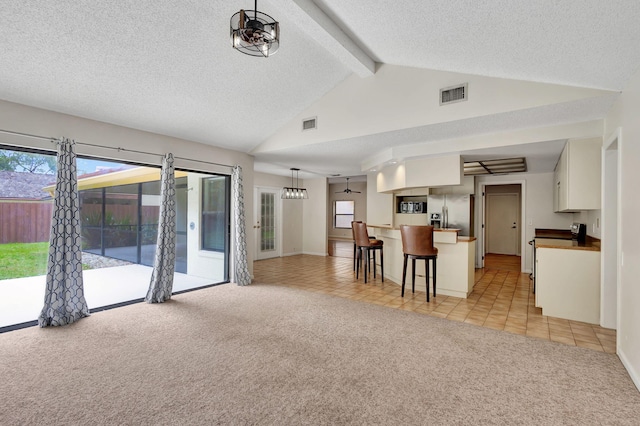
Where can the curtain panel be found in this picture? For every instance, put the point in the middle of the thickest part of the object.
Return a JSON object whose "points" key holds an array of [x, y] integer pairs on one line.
{"points": [[161, 285], [64, 300], [241, 269]]}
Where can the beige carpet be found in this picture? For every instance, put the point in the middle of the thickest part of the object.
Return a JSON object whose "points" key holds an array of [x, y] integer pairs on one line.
{"points": [[273, 355]]}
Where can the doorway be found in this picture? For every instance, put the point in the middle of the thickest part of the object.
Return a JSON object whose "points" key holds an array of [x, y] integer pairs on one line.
{"points": [[267, 227], [502, 220]]}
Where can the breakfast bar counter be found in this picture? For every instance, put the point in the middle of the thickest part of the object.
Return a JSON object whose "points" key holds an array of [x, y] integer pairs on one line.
{"points": [[456, 260]]}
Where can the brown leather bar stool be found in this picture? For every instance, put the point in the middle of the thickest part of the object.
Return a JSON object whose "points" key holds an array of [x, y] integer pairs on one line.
{"points": [[417, 243], [355, 246], [367, 246]]}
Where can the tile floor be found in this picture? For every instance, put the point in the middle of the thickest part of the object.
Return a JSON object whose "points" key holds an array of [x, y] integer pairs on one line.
{"points": [[501, 298]]}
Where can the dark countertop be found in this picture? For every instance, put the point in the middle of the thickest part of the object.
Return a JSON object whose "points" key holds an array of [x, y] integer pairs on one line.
{"points": [[591, 244], [560, 234]]}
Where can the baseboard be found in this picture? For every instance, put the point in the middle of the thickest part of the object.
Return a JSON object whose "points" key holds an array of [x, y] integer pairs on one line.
{"points": [[632, 372], [295, 253]]}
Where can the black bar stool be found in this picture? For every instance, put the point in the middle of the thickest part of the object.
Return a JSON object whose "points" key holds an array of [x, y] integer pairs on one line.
{"points": [[365, 247], [355, 246], [417, 243]]}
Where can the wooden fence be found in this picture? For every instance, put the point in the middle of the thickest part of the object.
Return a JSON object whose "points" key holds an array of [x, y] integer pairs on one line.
{"points": [[30, 221], [25, 222]]}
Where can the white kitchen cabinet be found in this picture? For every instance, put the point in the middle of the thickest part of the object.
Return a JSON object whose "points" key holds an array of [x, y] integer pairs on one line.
{"points": [[568, 284], [379, 205], [577, 176]]}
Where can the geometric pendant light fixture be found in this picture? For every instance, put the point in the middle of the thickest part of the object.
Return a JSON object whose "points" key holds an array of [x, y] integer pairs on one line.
{"points": [[255, 33], [294, 192]]}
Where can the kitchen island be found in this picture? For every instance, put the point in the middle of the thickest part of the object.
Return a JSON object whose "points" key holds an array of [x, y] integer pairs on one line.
{"points": [[456, 260]]}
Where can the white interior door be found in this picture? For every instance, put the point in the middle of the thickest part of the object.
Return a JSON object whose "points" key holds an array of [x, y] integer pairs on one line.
{"points": [[267, 226], [502, 223]]}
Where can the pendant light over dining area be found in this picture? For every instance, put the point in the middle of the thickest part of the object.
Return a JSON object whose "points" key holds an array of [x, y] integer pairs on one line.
{"points": [[294, 192]]}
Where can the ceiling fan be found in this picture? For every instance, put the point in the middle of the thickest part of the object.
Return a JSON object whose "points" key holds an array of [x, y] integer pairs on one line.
{"points": [[347, 190]]}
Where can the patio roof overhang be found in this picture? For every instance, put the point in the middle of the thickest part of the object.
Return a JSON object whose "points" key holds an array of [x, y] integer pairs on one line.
{"points": [[119, 177]]}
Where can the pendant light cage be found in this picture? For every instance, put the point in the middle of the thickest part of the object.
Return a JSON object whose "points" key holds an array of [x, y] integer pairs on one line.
{"points": [[294, 192], [255, 33]]}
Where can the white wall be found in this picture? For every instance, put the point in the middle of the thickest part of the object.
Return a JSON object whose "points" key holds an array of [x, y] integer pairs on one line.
{"points": [[397, 97], [624, 114], [25, 119], [537, 191], [336, 194], [314, 210], [291, 213]]}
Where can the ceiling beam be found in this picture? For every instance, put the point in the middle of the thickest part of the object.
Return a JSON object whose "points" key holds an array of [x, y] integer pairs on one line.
{"points": [[312, 20]]}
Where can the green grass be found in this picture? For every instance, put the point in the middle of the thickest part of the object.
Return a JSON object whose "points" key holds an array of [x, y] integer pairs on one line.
{"points": [[19, 260]]}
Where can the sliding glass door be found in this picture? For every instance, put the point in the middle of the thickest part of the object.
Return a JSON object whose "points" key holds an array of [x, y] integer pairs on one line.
{"points": [[119, 209]]}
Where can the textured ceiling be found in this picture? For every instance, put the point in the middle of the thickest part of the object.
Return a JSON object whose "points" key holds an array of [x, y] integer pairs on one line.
{"points": [[167, 67], [588, 43]]}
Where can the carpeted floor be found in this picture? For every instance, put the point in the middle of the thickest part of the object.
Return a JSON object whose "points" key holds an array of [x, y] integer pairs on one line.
{"points": [[273, 355]]}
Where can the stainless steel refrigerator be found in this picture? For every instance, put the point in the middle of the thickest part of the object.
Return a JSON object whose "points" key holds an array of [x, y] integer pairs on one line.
{"points": [[451, 211]]}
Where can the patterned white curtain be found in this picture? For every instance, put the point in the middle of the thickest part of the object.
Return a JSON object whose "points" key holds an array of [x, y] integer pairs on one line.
{"points": [[161, 284], [241, 270], [64, 300]]}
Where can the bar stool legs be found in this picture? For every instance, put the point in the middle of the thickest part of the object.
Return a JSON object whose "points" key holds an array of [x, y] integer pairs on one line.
{"points": [[363, 261], [413, 273], [355, 254]]}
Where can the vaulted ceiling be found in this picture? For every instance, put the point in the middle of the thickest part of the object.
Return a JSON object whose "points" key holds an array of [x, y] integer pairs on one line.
{"points": [[538, 72]]}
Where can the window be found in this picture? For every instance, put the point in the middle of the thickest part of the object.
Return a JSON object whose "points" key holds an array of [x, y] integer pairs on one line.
{"points": [[215, 213], [344, 214]]}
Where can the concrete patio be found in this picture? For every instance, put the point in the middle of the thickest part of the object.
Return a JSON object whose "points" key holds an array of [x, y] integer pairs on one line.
{"points": [[23, 298]]}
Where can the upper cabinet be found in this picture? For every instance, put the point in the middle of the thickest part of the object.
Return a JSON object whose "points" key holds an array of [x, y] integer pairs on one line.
{"points": [[379, 205], [577, 176]]}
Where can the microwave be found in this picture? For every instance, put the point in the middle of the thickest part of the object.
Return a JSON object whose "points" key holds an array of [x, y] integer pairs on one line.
{"points": [[413, 207]]}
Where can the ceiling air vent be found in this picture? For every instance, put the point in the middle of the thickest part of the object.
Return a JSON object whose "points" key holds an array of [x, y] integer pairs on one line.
{"points": [[310, 123], [449, 95]]}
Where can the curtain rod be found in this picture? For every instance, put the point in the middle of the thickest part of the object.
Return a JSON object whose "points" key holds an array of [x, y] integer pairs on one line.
{"points": [[52, 139], [28, 135]]}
